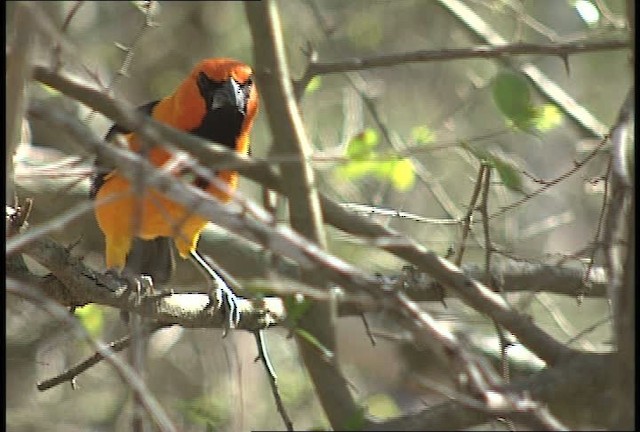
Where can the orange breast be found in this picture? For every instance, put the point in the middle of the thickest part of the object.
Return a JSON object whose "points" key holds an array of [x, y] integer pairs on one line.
{"points": [[122, 216]]}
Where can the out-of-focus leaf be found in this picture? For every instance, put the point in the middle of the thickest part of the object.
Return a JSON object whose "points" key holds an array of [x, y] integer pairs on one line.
{"points": [[357, 420], [361, 146], [507, 170], [422, 135], [547, 117], [326, 352], [296, 307], [313, 85], [512, 96], [382, 406], [92, 319], [403, 175], [364, 161], [205, 410], [357, 169], [509, 174]]}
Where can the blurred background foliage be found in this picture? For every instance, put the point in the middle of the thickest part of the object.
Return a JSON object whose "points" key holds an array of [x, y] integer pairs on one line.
{"points": [[359, 123]]}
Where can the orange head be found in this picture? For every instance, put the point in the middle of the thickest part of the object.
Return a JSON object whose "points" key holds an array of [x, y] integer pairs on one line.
{"points": [[217, 101]]}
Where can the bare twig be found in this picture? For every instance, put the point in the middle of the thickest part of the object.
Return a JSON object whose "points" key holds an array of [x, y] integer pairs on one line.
{"points": [[577, 165], [480, 28], [487, 52], [273, 383], [129, 50], [151, 405], [596, 237], [71, 373], [471, 208], [281, 240]]}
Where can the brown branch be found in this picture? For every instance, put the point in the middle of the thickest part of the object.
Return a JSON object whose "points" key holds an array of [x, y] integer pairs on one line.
{"points": [[619, 242], [281, 240], [285, 242], [18, 74], [149, 402], [70, 374], [74, 284], [562, 388], [577, 166], [305, 216], [486, 52]]}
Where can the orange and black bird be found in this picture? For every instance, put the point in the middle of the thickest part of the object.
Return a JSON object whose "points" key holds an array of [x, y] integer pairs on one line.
{"points": [[218, 102]]}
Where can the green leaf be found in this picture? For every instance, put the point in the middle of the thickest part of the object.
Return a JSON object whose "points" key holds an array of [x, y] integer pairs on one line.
{"points": [[357, 421], [205, 411], [382, 406], [296, 307], [313, 85], [507, 170], [50, 90], [547, 117], [403, 175], [422, 135], [357, 169], [361, 146], [326, 352], [364, 161], [512, 96], [92, 319]]}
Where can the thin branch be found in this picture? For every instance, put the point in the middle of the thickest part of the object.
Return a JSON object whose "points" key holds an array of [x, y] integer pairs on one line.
{"points": [[549, 89], [149, 402], [281, 240], [471, 208], [71, 373], [75, 284], [577, 166], [486, 52], [273, 383]]}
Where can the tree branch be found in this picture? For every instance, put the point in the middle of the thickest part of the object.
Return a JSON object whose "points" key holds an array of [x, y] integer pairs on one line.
{"points": [[486, 52], [261, 229]]}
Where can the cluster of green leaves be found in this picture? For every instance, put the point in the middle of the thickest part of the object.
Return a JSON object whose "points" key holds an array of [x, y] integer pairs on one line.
{"points": [[363, 160]]}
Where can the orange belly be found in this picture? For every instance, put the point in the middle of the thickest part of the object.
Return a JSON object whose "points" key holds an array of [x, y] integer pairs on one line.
{"points": [[122, 216]]}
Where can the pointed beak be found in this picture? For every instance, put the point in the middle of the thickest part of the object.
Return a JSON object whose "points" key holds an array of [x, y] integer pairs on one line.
{"points": [[229, 94]]}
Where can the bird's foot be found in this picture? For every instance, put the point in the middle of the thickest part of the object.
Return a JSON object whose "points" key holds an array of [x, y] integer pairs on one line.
{"points": [[226, 301]]}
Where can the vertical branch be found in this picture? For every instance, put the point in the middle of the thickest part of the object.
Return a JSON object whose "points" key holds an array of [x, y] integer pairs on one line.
{"points": [[619, 244], [468, 217], [288, 132], [18, 74]]}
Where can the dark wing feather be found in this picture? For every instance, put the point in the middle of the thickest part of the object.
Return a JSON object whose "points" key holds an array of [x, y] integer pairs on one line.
{"points": [[101, 169], [155, 257]]}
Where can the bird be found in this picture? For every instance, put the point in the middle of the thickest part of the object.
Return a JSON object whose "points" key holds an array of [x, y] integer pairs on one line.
{"points": [[217, 101]]}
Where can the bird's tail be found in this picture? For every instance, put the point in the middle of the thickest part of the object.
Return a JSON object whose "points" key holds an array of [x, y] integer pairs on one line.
{"points": [[155, 258]]}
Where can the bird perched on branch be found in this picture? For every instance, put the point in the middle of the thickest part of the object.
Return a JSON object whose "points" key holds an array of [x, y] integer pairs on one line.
{"points": [[218, 102]]}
